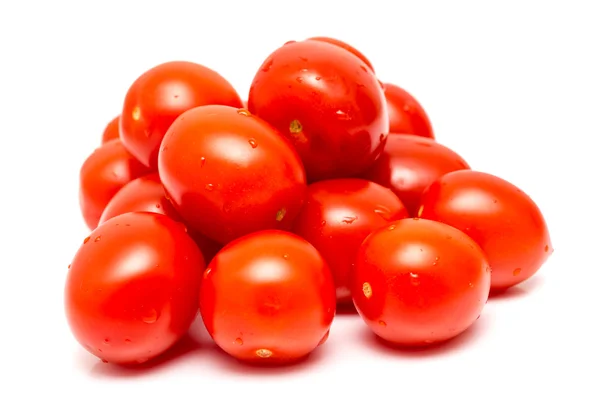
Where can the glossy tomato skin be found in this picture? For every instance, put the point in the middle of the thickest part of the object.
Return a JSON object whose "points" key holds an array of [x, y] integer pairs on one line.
{"points": [[102, 175], [148, 194], [406, 114], [229, 173], [339, 214], [347, 47], [111, 131], [418, 282], [500, 217], [132, 287], [411, 163], [160, 95], [327, 102], [268, 297]]}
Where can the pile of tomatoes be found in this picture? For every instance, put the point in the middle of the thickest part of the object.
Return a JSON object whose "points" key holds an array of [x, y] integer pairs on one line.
{"points": [[327, 189]]}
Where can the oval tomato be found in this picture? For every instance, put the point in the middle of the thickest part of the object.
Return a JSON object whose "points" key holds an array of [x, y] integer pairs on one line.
{"points": [[500, 217], [339, 214], [327, 102], [148, 194], [229, 173], [406, 113], [411, 163], [347, 47], [101, 176], [268, 297], [418, 282], [132, 288], [111, 131], [160, 95]]}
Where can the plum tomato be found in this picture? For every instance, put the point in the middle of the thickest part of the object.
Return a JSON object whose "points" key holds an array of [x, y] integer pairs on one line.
{"points": [[101, 176], [148, 194], [132, 287], [346, 46], [339, 214], [268, 297], [160, 95], [505, 222], [327, 102], [229, 173], [406, 113], [418, 282], [411, 163], [111, 131]]}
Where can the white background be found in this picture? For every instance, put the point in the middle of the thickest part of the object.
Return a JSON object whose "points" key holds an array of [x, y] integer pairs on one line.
{"points": [[513, 86]]}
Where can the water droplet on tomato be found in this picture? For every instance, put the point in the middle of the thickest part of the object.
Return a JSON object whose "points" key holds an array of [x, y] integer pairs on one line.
{"points": [[383, 212], [157, 205], [207, 272], [97, 238], [414, 279], [244, 112], [104, 361], [267, 65], [106, 341], [127, 340], [517, 271], [286, 256], [87, 239], [323, 223], [264, 353], [363, 68], [136, 113], [382, 323], [318, 78], [299, 79], [391, 227], [209, 187], [342, 115], [151, 317], [289, 42], [471, 285], [253, 143], [238, 341], [324, 338], [349, 220]]}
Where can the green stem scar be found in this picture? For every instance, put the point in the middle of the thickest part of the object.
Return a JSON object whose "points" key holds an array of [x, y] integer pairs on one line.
{"points": [[280, 215], [295, 126]]}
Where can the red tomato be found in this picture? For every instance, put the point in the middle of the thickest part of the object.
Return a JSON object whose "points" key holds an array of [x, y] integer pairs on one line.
{"points": [[148, 194], [268, 297], [101, 176], [132, 288], [418, 282], [411, 163], [160, 95], [339, 214], [111, 131], [229, 173], [503, 220], [406, 113], [346, 46], [327, 102]]}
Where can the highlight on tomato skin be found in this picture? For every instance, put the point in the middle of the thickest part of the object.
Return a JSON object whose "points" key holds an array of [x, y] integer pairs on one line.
{"points": [[409, 164], [499, 216], [102, 175], [268, 298], [132, 288], [418, 282], [162, 93], [338, 215]]}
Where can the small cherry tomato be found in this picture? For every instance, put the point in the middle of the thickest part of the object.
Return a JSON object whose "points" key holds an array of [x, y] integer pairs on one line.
{"points": [[160, 95], [132, 288], [346, 46], [411, 163], [327, 102], [406, 113], [111, 131], [101, 176], [268, 297], [148, 194], [229, 173], [339, 214], [500, 217], [418, 282]]}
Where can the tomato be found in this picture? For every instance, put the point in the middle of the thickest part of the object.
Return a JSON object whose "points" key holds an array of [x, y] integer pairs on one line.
{"points": [[160, 95], [229, 173], [268, 297], [406, 113], [339, 214], [346, 46], [411, 163], [418, 282], [148, 194], [101, 176], [500, 217], [327, 102], [132, 288], [111, 131]]}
